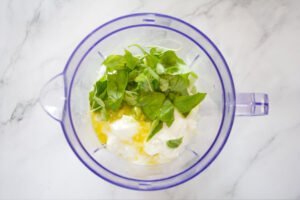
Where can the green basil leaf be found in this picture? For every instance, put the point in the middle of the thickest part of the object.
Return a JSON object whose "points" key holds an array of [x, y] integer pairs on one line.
{"points": [[163, 84], [139, 47], [185, 104], [131, 97], [133, 74], [156, 51], [100, 108], [160, 69], [97, 94], [91, 98], [172, 96], [178, 83], [114, 62], [173, 144], [172, 70], [151, 73], [193, 90], [192, 77], [151, 61], [167, 113], [116, 84], [151, 103], [148, 80], [169, 59], [144, 83], [137, 112], [152, 58], [156, 126], [99, 101], [95, 107], [132, 86], [155, 84], [131, 61], [100, 88]]}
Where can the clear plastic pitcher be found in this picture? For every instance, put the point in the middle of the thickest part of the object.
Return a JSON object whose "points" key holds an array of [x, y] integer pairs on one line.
{"points": [[65, 98]]}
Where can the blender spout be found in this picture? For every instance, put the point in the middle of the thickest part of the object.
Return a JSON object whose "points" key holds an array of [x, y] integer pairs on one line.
{"points": [[52, 97]]}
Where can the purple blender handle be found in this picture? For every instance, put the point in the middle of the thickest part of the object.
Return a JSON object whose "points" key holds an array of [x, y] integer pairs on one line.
{"points": [[52, 100], [251, 104]]}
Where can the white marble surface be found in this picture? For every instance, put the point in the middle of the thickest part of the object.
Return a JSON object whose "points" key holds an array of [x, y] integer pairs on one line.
{"points": [[261, 42]]}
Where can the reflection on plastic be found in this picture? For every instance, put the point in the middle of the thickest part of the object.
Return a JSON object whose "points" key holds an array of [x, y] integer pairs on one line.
{"points": [[52, 97]]}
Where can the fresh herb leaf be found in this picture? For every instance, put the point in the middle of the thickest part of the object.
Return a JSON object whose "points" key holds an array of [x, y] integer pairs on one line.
{"points": [[172, 70], [95, 107], [178, 83], [114, 62], [170, 59], [192, 77], [173, 144], [116, 84], [144, 83], [172, 96], [103, 114], [185, 104], [98, 92], [99, 102], [156, 51], [100, 88], [160, 69], [174, 83], [151, 104], [193, 90], [131, 61], [163, 84], [137, 112], [133, 74], [91, 97], [131, 98], [155, 127], [151, 74], [167, 113], [139, 47], [148, 80], [151, 61], [155, 84]]}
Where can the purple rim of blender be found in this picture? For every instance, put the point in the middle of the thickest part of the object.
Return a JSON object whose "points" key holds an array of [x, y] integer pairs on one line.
{"points": [[139, 180]]}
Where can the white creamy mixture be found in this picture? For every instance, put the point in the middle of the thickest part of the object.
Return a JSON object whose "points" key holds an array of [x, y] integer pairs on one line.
{"points": [[121, 132]]}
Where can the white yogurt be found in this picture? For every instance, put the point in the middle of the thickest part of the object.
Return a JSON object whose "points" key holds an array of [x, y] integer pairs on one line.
{"points": [[119, 139]]}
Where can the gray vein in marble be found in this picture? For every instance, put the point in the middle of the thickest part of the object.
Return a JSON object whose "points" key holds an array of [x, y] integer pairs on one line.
{"points": [[208, 7], [240, 3], [20, 111], [169, 194], [59, 3], [141, 5], [258, 154], [9, 7], [268, 32], [16, 54]]}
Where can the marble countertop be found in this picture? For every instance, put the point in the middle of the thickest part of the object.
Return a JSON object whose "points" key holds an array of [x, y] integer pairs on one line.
{"points": [[260, 41]]}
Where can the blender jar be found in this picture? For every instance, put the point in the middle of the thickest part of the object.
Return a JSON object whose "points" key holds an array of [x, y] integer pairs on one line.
{"points": [[65, 99]]}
